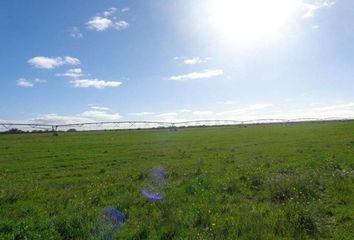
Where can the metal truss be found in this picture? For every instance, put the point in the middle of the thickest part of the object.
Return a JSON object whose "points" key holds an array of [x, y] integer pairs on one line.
{"points": [[121, 125]]}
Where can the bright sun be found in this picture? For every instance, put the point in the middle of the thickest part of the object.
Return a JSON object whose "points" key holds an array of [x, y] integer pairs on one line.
{"points": [[246, 21]]}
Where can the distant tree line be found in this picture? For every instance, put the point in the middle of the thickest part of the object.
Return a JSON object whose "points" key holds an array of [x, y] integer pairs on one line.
{"points": [[14, 131], [19, 131]]}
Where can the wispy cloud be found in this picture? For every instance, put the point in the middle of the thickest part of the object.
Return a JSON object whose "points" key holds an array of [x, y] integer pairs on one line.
{"points": [[95, 83], [106, 20], [84, 117], [125, 9], [250, 112], [228, 102], [192, 61], [94, 114], [196, 60], [245, 112], [253, 111], [203, 113], [99, 23], [75, 32], [50, 62], [74, 73], [120, 25], [341, 106], [100, 115], [53, 118], [24, 83], [109, 12], [167, 117], [209, 73], [141, 114], [170, 114], [37, 80], [184, 110], [260, 106], [310, 9], [99, 108], [102, 24]]}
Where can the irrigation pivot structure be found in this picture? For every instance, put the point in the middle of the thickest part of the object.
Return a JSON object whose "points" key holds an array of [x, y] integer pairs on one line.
{"points": [[121, 125], [89, 126]]}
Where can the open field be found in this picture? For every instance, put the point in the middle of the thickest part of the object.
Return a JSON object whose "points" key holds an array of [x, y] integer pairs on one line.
{"points": [[261, 182]]}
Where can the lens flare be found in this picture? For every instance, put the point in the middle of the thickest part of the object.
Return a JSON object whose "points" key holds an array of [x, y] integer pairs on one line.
{"points": [[247, 21], [155, 184], [110, 222]]}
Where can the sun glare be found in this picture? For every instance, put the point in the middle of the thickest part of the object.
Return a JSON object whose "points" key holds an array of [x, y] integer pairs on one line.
{"points": [[247, 21]]}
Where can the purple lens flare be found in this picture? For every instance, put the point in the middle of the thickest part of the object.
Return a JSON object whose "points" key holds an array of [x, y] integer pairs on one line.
{"points": [[151, 196], [114, 215], [109, 223], [155, 184]]}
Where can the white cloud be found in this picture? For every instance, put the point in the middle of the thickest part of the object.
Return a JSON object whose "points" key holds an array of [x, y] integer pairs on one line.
{"points": [[170, 114], [185, 110], [109, 12], [228, 102], [74, 73], [125, 9], [120, 25], [191, 61], [196, 60], [252, 111], [140, 114], [330, 111], [106, 20], [168, 117], [310, 9], [24, 83], [90, 116], [210, 73], [344, 106], [50, 63], [203, 113], [265, 111], [71, 60], [37, 80], [94, 83], [94, 107], [85, 117], [100, 115], [53, 118], [260, 106], [270, 111], [45, 62], [75, 33], [99, 23]]}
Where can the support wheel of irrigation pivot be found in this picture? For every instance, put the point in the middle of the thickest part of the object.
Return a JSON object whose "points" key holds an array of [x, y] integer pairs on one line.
{"points": [[172, 127], [55, 130]]}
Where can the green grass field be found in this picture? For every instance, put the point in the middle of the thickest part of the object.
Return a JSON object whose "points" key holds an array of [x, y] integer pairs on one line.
{"points": [[261, 182]]}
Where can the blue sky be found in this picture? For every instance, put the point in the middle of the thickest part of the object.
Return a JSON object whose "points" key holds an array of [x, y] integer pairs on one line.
{"points": [[81, 61]]}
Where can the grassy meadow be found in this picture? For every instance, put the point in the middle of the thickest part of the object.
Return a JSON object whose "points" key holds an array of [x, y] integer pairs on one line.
{"points": [[260, 182]]}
